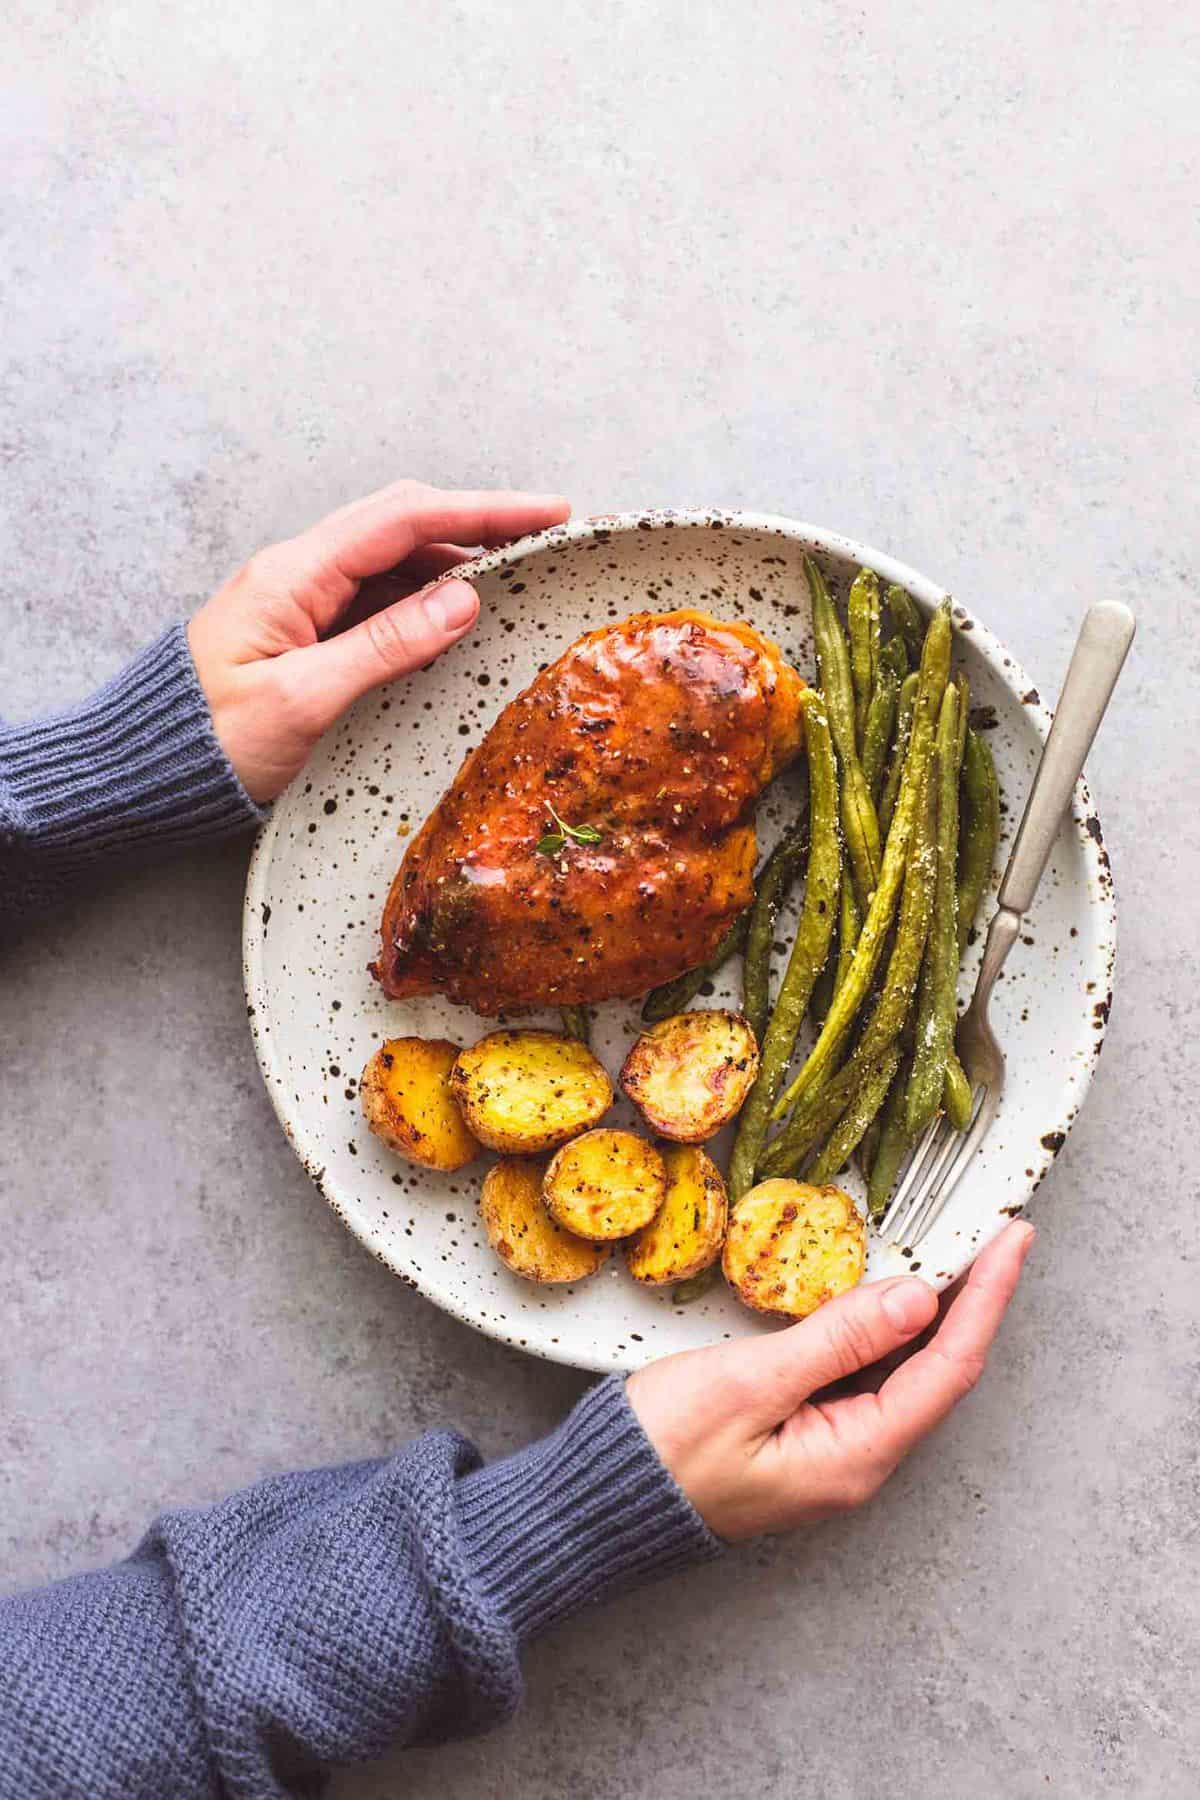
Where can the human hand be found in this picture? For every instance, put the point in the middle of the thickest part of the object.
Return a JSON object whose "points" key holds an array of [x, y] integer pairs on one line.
{"points": [[274, 676], [739, 1427]]}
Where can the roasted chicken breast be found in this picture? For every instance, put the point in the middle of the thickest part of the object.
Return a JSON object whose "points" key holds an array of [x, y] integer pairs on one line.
{"points": [[601, 838]]}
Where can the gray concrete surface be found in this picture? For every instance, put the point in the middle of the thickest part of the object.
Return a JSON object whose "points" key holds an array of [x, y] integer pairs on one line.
{"points": [[928, 274]]}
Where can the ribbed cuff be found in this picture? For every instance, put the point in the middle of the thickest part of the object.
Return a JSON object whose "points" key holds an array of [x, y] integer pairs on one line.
{"points": [[587, 1510], [135, 766]]}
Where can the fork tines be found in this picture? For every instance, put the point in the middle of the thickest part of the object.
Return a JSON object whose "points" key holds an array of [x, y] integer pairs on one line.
{"points": [[938, 1160]]}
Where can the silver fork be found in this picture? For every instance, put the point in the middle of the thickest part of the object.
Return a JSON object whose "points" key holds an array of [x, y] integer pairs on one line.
{"points": [[941, 1156]]}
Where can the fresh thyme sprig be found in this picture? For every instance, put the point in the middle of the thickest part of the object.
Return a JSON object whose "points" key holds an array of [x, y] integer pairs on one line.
{"points": [[554, 841]]}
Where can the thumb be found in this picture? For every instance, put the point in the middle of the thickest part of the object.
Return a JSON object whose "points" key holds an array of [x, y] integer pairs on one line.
{"points": [[390, 643], [841, 1337]]}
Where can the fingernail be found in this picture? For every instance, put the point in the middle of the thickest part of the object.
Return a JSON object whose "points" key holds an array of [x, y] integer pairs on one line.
{"points": [[450, 606], [907, 1304]]}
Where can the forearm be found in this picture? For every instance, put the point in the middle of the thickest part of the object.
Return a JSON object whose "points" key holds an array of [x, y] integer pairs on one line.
{"points": [[135, 768], [322, 1618]]}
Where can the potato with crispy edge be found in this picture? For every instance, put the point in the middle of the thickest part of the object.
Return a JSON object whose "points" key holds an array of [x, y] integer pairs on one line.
{"points": [[605, 1184], [790, 1247], [686, 1233], [521, 1231], [689, 1074], [522, 1092], [407, 1101]]}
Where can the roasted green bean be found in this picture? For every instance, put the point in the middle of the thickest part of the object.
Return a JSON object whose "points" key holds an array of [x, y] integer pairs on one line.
{"points": [[912, 931], [891, 785], [877, 733], [771, 887], [810, 947], [939, 974], [980, 831], [859, 823], [805, 1130], [696, 1285], [822, 994], [849, 926], [894, 656], [677, 995], [893, 1147], [820, 1107], [848, 1132], [812, 1122], [862, 617], [935, 672], [826, 982], [906, 617], [964, 717], [957, 1097], [576, 1023]]}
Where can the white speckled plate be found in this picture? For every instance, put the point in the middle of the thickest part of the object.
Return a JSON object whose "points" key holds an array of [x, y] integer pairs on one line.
{"points": [[323, 863]]}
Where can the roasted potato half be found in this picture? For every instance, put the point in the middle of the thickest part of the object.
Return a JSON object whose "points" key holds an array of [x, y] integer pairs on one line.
{"points": [[605, 1184], [790, 1247], [526, 1091], [686, 1233], [406, 1100], [521, 1231], [689, 1074]]}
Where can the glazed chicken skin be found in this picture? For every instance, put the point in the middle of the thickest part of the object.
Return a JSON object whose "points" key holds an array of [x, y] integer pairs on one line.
{"points": [[659, 731]]}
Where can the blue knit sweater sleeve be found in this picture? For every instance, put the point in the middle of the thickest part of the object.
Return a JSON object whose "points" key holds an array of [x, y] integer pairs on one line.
{"points": [[318, 1619], [134, 769]]}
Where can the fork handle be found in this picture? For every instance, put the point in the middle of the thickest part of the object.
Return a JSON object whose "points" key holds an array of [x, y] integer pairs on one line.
{"points": [[1100, 650]]}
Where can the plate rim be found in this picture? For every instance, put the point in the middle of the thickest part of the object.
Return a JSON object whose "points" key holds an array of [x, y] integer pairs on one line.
{"points": [[1068, 1098]]}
